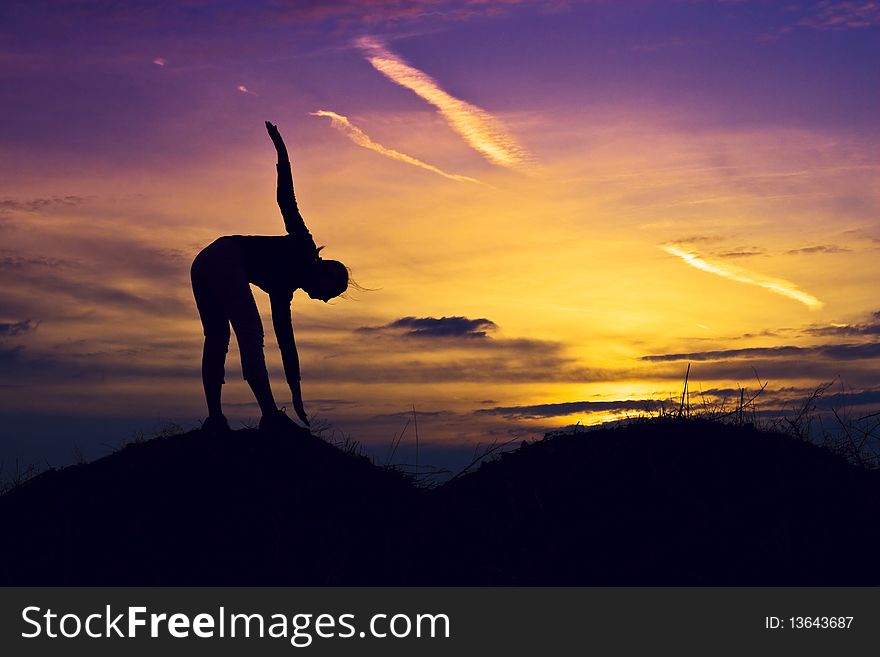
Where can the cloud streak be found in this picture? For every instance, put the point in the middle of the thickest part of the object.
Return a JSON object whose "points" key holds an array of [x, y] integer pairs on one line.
{"points": [[775, 285], [361, 138], [483, 132]]}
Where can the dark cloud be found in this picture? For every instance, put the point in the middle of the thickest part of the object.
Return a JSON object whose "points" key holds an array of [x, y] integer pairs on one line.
{"points": [[39, 204], [743, 252], [784, 401], [570, 408], [8, 329], [819, 248], [833, 351], [443, 327], [726, 354], [850, 351], [871, 327], [852, 363], [771, 403], [856, 373], [766, 333], [852, 398]]}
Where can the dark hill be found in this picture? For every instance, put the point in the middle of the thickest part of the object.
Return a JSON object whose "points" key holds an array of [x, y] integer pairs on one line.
{"points": [[659, 503], [197, 509]]}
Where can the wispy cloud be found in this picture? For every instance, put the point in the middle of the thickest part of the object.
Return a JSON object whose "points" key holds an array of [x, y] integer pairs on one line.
{"points": [[482, 131], [360, 138], [776, 285], [843, 15]]}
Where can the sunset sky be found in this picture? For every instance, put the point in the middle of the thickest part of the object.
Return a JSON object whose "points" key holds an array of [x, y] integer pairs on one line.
{"points": [[556, 206]]}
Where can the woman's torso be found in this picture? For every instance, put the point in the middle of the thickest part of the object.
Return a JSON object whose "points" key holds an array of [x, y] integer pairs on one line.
{"points": [[275, 263]]}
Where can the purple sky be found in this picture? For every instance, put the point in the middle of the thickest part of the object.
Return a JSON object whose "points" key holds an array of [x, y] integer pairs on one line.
{"points": [[132, 135]]}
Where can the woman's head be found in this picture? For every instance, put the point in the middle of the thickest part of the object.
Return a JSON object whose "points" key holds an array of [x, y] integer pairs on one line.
{"points": [[328, 279]]}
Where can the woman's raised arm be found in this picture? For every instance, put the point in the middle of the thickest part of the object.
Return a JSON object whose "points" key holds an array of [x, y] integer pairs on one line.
{"points": [[293, 220]]}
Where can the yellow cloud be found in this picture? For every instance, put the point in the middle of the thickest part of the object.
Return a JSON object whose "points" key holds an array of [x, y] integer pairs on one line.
{"points": [[482, 131], [777, 285], [360, 138]]}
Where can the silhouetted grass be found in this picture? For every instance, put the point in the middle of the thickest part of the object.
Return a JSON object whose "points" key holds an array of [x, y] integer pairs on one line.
{"points": [[853, 436]]}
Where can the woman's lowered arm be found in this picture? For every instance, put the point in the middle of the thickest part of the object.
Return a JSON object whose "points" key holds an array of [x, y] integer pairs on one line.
{"points": [[293, 220], [281, 321]]}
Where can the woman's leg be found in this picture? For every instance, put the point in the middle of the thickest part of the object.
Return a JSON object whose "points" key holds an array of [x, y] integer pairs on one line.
{"points": [[249, 332], [213, 355], [215, 326], [224, 296], [239, 306]]}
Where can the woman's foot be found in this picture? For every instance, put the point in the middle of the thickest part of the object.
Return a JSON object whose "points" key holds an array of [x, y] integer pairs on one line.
{"points": [[278, 422], [216, 424]]}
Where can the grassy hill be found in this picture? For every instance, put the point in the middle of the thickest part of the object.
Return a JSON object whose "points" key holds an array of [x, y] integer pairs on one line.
{"points": [[665, 502]]}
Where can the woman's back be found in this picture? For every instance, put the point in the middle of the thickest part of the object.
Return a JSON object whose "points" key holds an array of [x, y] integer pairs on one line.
{"points": [[276, 262]]}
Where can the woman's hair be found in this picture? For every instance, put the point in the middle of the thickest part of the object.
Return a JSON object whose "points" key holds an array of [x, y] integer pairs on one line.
{"points": [[338, 273]]}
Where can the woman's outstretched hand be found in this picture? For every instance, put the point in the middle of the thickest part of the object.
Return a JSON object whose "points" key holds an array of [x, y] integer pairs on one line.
{"points": [[298, 405], [272, 129]]}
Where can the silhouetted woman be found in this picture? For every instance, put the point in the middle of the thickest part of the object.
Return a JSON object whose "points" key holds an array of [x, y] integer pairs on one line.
{"points": [[278, 265]]}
